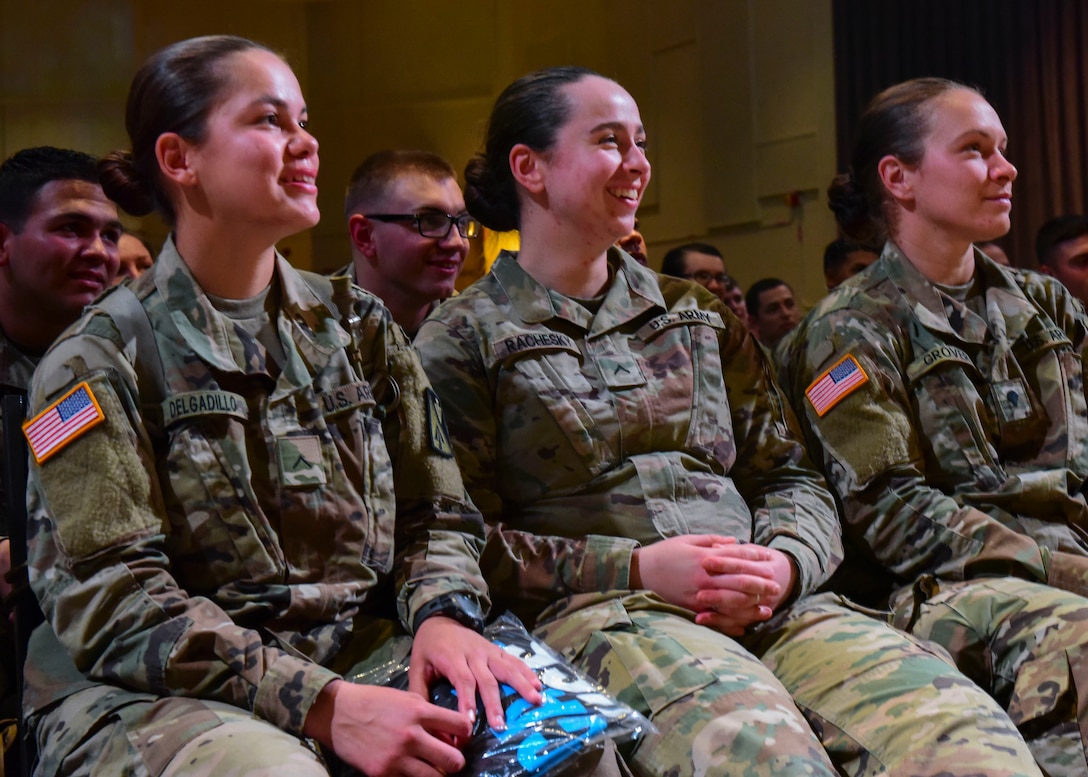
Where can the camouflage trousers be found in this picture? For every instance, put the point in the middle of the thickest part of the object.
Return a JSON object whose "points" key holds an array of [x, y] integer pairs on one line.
{"points": [[149, 737], [103, 730], [836, 692], [1026, 644]]}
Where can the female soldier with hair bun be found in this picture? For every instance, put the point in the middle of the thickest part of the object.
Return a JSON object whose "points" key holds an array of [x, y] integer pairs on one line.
{"points": [[944, 395], [651, 510], [226, 486]]}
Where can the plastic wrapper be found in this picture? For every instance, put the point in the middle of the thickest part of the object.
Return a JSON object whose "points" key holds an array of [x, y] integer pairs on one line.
{"points": [[574, 717]]}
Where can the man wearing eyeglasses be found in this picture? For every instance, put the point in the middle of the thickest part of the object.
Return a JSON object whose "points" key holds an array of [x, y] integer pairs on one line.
{"points": [[699, 262], [409, 231]]}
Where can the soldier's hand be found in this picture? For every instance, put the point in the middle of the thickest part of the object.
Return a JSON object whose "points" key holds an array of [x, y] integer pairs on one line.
{"points": [[675, 568], [745, 587], [444, 648], [385, 732]]}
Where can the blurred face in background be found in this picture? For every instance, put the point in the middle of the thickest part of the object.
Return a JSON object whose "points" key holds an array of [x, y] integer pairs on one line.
{"points": [[134, 258]]}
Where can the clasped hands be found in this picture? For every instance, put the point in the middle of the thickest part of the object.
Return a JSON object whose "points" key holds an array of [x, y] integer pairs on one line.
{"points": [[728, 584]]}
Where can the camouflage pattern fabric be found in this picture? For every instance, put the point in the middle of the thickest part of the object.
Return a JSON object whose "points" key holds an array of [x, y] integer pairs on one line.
{"points": [[232, 543], [583, 434], [960, 465]]}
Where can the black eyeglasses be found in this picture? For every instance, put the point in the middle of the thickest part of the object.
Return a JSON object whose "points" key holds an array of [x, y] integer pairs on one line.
{"points": [[434, 223], [702, 277]]}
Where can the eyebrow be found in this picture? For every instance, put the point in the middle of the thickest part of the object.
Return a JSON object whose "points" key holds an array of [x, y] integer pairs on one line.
{"points": [[998, 139], [617, 125], [277, 102], [75, 215]]}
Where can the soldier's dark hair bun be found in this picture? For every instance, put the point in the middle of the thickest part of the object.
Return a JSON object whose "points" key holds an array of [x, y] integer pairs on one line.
{"points": [[121, 183]]}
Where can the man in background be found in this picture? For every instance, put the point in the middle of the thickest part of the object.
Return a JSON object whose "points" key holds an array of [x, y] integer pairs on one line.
{"points": [[995, 252], [58, 252], [635, 244], [409, 231], [772, 310], [699, 262], [1061, 246], [844, 259]]}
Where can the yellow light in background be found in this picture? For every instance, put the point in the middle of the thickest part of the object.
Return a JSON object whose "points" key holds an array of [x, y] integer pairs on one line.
{"points": [[483, 253]]}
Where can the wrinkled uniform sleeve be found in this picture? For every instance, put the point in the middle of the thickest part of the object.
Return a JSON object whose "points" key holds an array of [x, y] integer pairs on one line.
{"points": [[99, 564], [792, 509], [439, 531], [875, 464], [537, 567]]}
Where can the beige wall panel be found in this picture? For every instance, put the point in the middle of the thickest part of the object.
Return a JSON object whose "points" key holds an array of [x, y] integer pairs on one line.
{"points": [[98, 130], [351, 133], [279, 25], [725, 82], [674, 209], [736, 95]]}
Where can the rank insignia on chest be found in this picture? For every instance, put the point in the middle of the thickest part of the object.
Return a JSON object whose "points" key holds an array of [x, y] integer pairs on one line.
{"points": [[301, 461], [62, 422], [835, 385], [1013, 400]]}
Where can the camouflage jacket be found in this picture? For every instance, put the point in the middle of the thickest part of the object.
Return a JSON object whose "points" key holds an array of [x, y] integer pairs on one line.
{"points": [[224, 541], [15, 371], [581, 435], [961, 447]]}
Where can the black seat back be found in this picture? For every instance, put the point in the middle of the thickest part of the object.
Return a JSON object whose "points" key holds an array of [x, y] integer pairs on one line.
{"points": [[28, 614]]}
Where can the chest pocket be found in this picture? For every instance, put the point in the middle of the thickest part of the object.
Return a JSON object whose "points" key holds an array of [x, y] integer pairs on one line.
{"points": [[540, 375], [219, 531], [360, 470], [683, 356], [955, 425], [1056, 371]]}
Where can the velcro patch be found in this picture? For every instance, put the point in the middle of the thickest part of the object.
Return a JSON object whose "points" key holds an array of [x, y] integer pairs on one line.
{"points": [[938, 355], [836, 384], [681, 318], [344, 398], [301, 461], [534, 341], [1013, 400], [63, 421], [437, 434], [1047, 338], [203, 403]]}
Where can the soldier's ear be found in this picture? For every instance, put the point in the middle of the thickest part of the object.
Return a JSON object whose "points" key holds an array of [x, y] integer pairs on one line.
{"points": [[174, 155], [527, 167], [361, 232], [897, 177], [7, 237]]}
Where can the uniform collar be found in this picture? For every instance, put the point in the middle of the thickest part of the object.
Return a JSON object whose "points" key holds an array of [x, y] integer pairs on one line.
{"points": [[633, 291], [1003, 296], [304, 319]]}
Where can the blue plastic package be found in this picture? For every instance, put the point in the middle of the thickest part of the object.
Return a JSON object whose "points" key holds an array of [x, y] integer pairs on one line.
{"points": [[574, 717]]}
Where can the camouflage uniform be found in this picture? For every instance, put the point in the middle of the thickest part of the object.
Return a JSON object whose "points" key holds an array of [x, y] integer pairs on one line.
{"points": [[232, 541], [960, 462], [582, 435]]}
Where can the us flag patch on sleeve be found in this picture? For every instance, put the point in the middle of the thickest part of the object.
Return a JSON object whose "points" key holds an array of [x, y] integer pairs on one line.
{"points": [[63, 421], [835, 385]]}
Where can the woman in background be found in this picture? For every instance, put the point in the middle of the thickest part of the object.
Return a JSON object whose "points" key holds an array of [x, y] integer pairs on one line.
{"points": [[651, 510]]}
